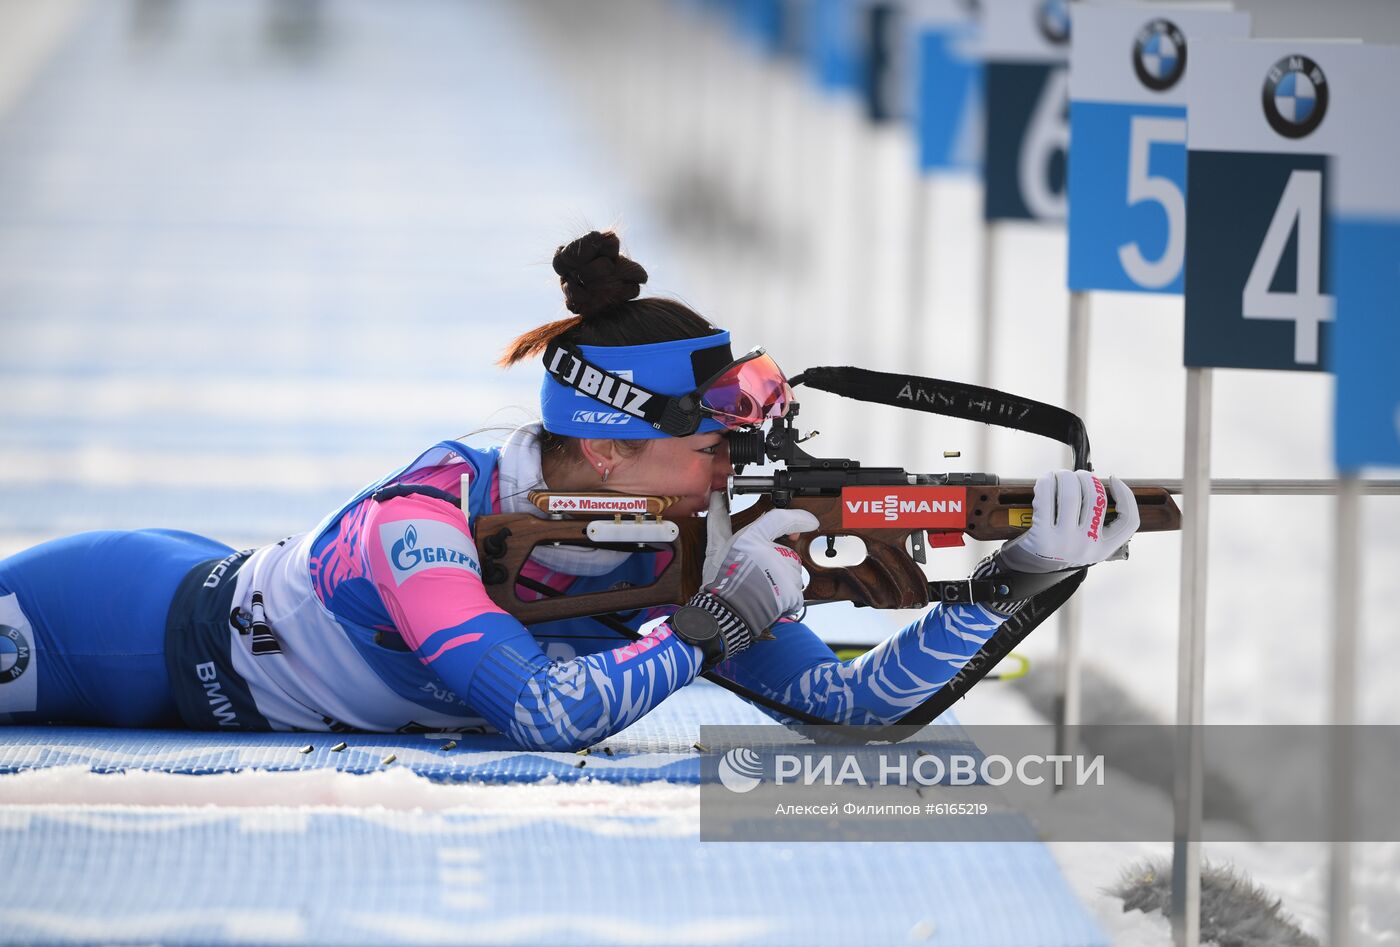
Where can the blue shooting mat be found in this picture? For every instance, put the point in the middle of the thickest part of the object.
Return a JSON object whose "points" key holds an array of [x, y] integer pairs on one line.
{"points": [[661, 746], [364, 876], [528, 876]]}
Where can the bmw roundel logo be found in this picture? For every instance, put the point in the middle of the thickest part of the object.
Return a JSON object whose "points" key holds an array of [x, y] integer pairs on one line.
{"points": [[14, 654], [1159, 55], [1052, 16], [1295, 96]]}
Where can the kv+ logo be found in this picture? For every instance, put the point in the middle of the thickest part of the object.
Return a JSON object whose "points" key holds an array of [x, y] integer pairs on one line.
{"points": [[600, 417]]}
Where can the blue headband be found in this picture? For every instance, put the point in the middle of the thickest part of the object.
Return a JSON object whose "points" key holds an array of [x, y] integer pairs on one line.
{"points": [[667, 368]]}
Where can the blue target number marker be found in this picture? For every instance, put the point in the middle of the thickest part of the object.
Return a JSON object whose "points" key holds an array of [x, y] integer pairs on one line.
{"points": [[1127, 170]]}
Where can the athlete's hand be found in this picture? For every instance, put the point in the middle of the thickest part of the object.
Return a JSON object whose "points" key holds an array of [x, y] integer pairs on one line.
{"points": [[718, 535], [758, 579], [1067, 523]]}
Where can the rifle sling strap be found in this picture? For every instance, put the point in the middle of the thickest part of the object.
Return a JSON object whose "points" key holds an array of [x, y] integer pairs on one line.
{"points": [[1007, 636], [996, 589], [989, 406], [954, 400]]}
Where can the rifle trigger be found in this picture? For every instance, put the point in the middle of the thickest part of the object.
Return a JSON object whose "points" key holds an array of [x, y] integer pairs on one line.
{"points": [[917, 547]]}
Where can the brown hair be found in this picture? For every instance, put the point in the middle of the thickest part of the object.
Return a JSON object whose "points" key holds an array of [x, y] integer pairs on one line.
{"points": [[601, 288]]}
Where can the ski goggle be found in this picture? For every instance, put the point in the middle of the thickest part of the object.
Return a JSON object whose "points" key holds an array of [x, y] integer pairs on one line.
{"points": [[744, 393]]}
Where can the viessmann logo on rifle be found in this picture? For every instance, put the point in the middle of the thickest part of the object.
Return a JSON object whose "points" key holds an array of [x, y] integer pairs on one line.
{"points": [[914, 507]]}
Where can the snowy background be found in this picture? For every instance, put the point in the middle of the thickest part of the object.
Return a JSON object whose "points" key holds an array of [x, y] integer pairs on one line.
{"points": [[254, 255]]}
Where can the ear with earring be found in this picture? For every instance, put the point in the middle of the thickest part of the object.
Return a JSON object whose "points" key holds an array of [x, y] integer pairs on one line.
{"points": [[604, 470]]}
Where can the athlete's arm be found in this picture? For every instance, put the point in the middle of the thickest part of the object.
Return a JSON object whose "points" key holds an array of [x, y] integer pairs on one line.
{"points": [[880, 686], [1068, 531], [762, 581], [425, 567]]}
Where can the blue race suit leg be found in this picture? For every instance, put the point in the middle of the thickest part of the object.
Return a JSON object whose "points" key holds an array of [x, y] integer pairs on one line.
{"points": [[96, 607]]}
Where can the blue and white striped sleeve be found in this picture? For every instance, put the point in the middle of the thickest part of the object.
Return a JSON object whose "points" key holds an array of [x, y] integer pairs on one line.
{"points": [[545, 704], [878, 687]]}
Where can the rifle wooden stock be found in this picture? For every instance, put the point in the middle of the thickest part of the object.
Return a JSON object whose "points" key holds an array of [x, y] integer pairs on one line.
{"points": [[888, 577]]}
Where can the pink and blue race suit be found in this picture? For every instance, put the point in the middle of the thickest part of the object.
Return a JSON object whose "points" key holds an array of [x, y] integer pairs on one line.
{"points": [[378, 620]]}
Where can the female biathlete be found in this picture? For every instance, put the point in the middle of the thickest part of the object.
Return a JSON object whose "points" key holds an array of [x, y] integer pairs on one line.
{"points": [[377, 618]]}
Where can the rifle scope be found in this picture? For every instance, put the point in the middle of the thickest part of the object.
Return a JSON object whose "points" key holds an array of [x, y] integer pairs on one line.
{"points": [[746, 447]]}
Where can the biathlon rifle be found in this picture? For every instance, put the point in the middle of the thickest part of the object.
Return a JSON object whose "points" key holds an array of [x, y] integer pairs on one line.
{"points": [[897, 515]]}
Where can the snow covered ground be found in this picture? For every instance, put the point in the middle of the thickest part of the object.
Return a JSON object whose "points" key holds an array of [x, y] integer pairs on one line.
{"points": [[209, 214]]}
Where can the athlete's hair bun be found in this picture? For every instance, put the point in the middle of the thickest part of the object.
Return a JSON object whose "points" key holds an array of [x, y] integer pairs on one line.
{"points": [[595, 275], [601, 287]]}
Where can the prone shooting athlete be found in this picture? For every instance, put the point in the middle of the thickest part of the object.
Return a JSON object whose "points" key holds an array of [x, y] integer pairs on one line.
{"points": [[377, 619]]}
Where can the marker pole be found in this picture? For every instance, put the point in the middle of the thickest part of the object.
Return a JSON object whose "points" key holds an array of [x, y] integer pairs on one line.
{"points": [[1191, 663], [987, 335], [916, 318], [1067, 670], [1344, 676]]}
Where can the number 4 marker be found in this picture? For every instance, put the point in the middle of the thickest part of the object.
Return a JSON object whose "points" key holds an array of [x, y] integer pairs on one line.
{"points": [[1307, 307]]}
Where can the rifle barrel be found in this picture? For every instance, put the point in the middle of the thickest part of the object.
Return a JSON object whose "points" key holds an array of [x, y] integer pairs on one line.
{"points": [[1246, 487], [1222, 487]]}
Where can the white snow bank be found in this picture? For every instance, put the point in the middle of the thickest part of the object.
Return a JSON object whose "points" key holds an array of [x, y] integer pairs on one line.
{"points": [[397, 789]]}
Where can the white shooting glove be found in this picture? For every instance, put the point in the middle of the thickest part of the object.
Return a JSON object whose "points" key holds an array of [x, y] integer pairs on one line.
{"points": [[1067, 524], [748, 580], [718, 535]]}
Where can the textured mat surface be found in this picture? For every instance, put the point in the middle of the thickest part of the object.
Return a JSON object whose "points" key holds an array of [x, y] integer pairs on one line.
{"points": [[365, 876], [618, 870], [659, 747]]}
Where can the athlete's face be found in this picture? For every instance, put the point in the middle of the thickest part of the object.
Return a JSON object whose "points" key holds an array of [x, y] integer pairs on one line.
{"points": [[685, 467]]}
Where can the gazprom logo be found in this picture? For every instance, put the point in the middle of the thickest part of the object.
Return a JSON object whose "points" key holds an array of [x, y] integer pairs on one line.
{"points": [[415, 545], [405, 545]]}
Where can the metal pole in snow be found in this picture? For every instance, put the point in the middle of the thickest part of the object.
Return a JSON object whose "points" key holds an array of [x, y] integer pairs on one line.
{"points": [[1191, 663], [1344, 674]]}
